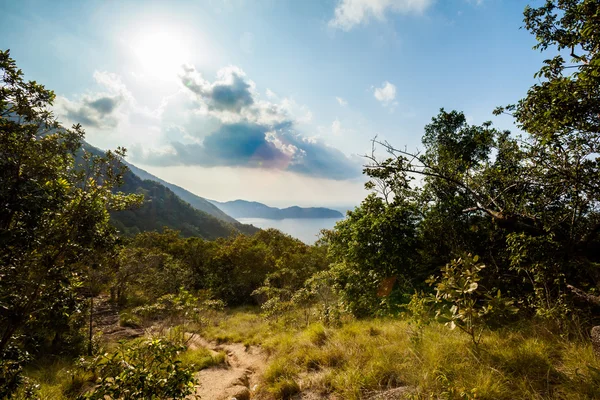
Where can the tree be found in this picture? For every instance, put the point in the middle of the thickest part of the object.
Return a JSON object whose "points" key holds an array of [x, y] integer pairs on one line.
{"points": [[534, 197], [54, 217], [375, 243]]}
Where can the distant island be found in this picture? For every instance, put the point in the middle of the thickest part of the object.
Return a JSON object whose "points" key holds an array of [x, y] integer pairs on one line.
{"points": [[253, 209]]}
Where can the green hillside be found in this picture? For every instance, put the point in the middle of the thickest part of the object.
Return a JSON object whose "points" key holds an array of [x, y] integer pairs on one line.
{"points": [[195, 201], [163, 208]]}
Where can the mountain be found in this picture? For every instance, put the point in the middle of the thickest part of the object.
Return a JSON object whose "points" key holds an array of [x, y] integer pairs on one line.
{"points": [[197, 202], [163, 208], [253, 209]]}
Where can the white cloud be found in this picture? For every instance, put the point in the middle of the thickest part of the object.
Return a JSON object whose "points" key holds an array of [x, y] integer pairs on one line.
{"points": [[103, 110], [350, 13], [307, 117], [336, 127], [208, 123], [386, 93], [270, 94], [113, 83], [341, 101]]}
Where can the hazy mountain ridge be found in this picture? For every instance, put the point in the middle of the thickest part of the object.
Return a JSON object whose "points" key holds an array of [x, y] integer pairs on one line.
{"points": [[253, 209], [163, 207], [195, 201]]}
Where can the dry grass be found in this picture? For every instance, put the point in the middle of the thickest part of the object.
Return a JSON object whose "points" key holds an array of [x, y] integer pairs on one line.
{"points": [[364, 357]]}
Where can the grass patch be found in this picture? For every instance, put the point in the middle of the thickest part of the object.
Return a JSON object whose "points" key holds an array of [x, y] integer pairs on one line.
{"points": [[527, 361], [201, 358], [58, 379], [244, 325], [284, 389], [129, 320]]}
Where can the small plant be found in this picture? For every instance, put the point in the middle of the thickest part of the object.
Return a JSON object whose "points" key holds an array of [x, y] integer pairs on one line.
{"points": [[148, 369], [418, 314], [12, 360], [129, 320], [462, 302]]}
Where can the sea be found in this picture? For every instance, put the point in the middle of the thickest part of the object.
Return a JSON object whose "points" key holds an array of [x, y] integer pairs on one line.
{"points": [[305, 229]]}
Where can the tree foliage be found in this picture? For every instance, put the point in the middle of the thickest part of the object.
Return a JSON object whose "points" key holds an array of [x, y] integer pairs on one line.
{"points": [[54, 218], [527, 204]]}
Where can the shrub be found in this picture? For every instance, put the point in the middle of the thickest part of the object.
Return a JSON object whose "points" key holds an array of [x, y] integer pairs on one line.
{"points": [[129, 320], [462, 302], [149, 369]]}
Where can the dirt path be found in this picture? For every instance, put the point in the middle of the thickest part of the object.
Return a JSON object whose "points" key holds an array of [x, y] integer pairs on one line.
{"points": [[238, 379]]}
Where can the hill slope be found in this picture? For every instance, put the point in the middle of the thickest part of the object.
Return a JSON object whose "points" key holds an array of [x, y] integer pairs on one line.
{"points": [[195, 201], [163, 208], [253, 209]]}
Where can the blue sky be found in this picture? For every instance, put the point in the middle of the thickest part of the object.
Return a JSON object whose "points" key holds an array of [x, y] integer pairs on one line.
{"points": [[269, 100]]}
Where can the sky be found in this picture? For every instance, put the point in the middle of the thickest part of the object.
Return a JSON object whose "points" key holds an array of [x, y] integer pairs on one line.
{"points": [[269, 100]]}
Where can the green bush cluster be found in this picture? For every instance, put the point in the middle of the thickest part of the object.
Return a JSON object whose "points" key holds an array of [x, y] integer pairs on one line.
{"points": [[148, 369]]}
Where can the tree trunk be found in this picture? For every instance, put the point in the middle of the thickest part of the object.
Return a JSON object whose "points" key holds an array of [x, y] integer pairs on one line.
{"points": [[91, 333]]}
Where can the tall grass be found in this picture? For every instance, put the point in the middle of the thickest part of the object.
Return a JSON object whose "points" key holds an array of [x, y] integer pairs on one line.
{"points": [[57, 379], [363, 357]]}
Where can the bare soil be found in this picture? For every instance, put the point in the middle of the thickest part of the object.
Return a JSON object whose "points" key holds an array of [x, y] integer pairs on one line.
{"points": [[238, 379]]}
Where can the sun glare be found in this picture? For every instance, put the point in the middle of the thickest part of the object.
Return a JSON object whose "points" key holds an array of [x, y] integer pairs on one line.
{"points": [[160, 53]]}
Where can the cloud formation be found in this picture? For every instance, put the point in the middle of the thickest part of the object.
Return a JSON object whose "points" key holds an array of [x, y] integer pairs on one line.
{"points": [[349, 13], [96, 113], [256, 146], [232, 91], [336, 127], [98, 110], [252, 132], [341, 101], [386, 94]]}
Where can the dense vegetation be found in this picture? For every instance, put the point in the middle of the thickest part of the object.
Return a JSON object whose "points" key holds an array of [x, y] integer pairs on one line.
{"points": [[494, 235], [163, 208], [195, 201]]}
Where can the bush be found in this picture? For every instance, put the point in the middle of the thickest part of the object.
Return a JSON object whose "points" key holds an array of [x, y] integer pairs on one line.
{"points": [[149, 369], [462, 302], [129, 320]]}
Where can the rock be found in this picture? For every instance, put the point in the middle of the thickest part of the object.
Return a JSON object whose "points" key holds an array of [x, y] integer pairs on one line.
{"points": [[244, 380], [238, 393], [596, 340]]}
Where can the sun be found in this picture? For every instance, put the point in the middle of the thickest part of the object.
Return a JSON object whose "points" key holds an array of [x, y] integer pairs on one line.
{"points": [[159, 52]]}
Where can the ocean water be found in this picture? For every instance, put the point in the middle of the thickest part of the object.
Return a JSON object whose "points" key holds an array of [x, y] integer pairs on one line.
{"points": [[305, 229]]}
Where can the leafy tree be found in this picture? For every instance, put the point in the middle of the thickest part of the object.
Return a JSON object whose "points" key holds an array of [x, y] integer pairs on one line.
{"points": [[376, 241], [54, 217], [295, 263], [561, 115], [530, 204]]}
